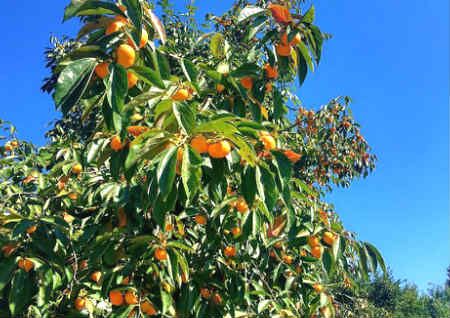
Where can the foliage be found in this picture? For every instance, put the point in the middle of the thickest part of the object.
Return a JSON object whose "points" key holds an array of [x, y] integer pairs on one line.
{"points": [[185, 179], [385, 296]]}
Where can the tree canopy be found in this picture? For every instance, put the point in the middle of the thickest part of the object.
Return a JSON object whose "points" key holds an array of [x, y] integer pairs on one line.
{"points": [[185, 177]]}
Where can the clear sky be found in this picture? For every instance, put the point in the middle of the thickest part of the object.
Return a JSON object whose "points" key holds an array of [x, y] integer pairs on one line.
{"points": [[391, 57]]}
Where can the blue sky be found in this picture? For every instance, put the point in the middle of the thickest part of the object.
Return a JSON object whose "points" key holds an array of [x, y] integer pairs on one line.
{"points": [[391, 57]]}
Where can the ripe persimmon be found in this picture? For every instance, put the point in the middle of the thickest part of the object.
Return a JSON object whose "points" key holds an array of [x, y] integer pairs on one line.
{"points": [[116, 143], [77, 168], [121, 18], [96, 276], [271, 71], [25, 264], [8, 147], [236, 231], [280, 13], [114, 27], [161, 254], [241, 205], [329, 238], [125, 55], [313, 241], [292, 156], [316, 251], [137, 130], [269, 142], [247, 82], [73, 196], [116, 297], [219, 149], [200, 144], [80, 303], [287, 259], [229, 251], [148, 308], [220, 88], [132, 79], [32, 229], [102, 70], [283, 50], [131, 298], [201, 219], [181, 95], [318, 287]]}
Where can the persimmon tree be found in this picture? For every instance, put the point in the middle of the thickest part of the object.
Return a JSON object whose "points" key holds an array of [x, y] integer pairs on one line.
{"points": [[184, 178]]}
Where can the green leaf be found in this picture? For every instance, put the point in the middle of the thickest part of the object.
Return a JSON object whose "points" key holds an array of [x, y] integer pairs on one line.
{"points": [[163, 65], [191, 171], [364, 268], [21, 227], [7, 267], [248, 185], [318, 39], [263, 304], [248, 69], [375, 253], [305, 54], [328, 262], [266, 186], [166, 172], [94, 149], [72, 83], [20, 293], [185, 116], [217, 45], [309, 15], [135, 12], [246, 151], [117, 88], [149, 76], [221, 125], [132, 156], [91, 8], [179, 245], [167, 301], [189, 70], [279, 107], [45, 287], [121, 312], [284, 167], [250, 12], [302, 68]]}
